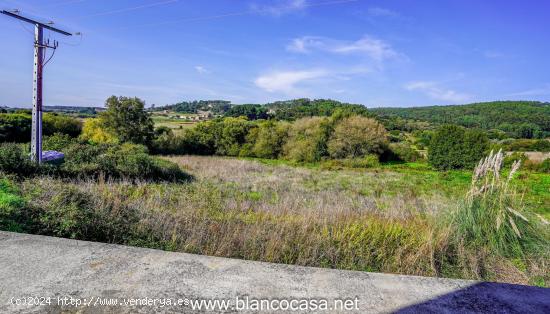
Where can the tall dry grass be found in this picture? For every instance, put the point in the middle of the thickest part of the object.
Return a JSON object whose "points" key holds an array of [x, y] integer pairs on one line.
{"points": [[492, 224], [493, 215], [243, 209]]}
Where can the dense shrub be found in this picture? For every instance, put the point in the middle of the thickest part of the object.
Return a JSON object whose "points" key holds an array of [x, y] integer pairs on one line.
{"points": [[92, 161], [73, 212], [453, 147], [232, 136], [475, 146], [58, 142], [95, 132], [357, 136], [250, 111], [401, 152], [117, 161], [270, 139], [14, 160], [15, 127], [525, 145], [167, 143], [202, 139], [445, 150], [70, 214], [307, 139], [57, 123], [423, 138], [496, 134]]}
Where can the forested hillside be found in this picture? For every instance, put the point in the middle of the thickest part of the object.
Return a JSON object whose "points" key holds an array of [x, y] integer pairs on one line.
{"points": [[525, 119], [280, 110], [304, 107], [215, 106]]}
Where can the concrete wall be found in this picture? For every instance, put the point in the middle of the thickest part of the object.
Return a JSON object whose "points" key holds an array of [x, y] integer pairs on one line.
{"points": [[68, 270]]}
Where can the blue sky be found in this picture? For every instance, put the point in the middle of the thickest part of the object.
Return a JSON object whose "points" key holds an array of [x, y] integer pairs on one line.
{"points": [[376, 53]]}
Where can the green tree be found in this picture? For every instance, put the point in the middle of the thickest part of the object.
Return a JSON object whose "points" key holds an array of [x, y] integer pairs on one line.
{"points": [[59, 123], [127, 119], [453, 147], [233, 136], [251, 111], [307, 139], [445, 150], [475, 146], [357, 136], [270, 139], [94, 131]]}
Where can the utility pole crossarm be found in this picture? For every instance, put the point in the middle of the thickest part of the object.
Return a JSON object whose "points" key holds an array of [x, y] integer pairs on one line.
{"points": [[46, 26]]}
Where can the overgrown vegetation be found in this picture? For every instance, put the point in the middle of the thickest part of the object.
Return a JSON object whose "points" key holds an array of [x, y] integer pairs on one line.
{"points": [[16, 127], [305, 140], [327, 186], [492, 215], [518, 119], [84, 160], [389, 221], [453, 147]]}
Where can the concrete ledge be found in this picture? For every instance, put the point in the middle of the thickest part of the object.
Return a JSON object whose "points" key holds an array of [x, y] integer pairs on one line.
{"points": [[39, 266]]}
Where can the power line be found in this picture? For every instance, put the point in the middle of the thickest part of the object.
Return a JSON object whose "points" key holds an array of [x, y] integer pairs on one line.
{"points": [[242, 13], [144, 6], [59, 4], [79, 34]]}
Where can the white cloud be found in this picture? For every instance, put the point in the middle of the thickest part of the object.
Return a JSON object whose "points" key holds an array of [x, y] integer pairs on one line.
{"points": [[200, 69], [433, 90], [541, 91], [374, 48], [281, 7], [286, 81], [307, 43]]}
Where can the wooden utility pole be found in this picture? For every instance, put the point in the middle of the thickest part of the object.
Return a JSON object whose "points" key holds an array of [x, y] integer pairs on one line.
{"points": [[39, 48]]}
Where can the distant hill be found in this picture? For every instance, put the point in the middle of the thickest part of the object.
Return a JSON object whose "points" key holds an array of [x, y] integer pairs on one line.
{"points": [[294, 109], [280, 110], [214, 106], [523, 118], [304, 107], [74, 109]]}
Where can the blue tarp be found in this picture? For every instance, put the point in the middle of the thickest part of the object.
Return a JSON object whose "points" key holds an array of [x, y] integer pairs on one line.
{"points": [[51, 155]]}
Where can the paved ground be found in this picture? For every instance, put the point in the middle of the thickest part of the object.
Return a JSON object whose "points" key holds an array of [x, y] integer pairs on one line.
{"points": [[65, 272]]}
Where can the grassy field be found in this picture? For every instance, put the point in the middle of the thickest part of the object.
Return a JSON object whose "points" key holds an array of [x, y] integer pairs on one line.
{"points": [[418, 179], [388, 219], [176, 125]]}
